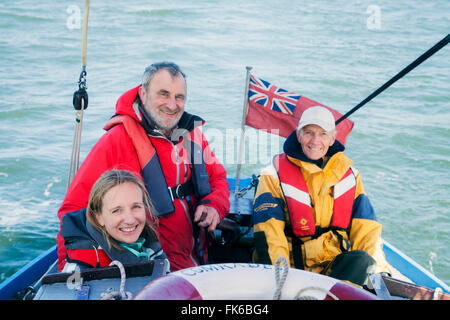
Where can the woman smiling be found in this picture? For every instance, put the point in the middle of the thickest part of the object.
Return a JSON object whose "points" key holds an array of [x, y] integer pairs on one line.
{"points": [[116, 225]]}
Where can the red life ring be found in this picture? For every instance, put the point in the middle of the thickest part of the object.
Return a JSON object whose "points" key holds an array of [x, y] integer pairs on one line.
{"points": [[236, 281]]}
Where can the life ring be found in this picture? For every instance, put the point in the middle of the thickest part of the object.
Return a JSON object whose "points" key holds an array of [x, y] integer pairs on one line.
{"points": [[247, 281]]}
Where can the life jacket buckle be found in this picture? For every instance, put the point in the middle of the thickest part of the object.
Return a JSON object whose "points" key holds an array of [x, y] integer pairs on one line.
{"points": [[175, 194], [177, 189]]}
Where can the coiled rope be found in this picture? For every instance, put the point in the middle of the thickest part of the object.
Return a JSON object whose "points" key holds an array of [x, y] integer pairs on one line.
{"points": [[280, 278], [121, 294]]}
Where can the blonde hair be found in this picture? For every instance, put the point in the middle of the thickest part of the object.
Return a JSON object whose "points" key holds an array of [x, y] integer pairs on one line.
{"points": [[108, 180]]}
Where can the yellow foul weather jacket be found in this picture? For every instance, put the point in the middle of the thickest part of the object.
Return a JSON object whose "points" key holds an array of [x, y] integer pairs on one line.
{"points": [[272, 229]]}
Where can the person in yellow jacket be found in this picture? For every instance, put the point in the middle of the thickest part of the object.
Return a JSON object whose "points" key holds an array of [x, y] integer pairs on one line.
{"points": [[310, 207]]}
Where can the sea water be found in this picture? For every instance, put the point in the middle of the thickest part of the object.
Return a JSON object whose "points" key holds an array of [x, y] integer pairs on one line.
{"points": [[334, 52]]}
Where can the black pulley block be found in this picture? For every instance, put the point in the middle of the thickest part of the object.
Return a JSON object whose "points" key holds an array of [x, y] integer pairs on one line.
{"points": [[80, 99]]}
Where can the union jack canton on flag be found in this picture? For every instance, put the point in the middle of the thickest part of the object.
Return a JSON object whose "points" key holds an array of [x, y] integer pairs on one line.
{"points": [[272, 97]]}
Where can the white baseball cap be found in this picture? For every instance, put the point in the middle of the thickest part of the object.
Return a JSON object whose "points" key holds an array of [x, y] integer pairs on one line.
{"points": [[319, 116]]}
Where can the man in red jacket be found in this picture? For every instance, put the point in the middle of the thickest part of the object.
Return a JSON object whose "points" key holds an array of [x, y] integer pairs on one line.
{"points": [[152, 136]]}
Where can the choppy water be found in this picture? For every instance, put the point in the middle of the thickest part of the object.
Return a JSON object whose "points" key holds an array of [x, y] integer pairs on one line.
{"points": [[336, 54]]}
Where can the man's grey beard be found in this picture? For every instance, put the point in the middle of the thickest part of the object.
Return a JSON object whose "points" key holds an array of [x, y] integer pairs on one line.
{"points": [[160, 126]]}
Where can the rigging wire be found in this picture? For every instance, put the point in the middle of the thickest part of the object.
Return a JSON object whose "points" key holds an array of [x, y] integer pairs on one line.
{"points": [[438, 46]]}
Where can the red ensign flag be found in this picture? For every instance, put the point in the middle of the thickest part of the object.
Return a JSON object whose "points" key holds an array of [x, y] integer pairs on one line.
{"points": [[271, 108]]}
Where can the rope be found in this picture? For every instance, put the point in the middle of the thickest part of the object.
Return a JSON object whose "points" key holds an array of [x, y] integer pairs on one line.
{"points": [[299, 296], [76, 144], [121, 294], [80, 102], [280, 279]]}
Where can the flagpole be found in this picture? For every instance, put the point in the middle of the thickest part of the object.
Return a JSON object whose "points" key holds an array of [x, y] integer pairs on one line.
{"points": [[244, 115]]}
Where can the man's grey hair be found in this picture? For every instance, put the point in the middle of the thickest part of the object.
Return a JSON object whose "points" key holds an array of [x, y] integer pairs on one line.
{"points": [[150, 71]]}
